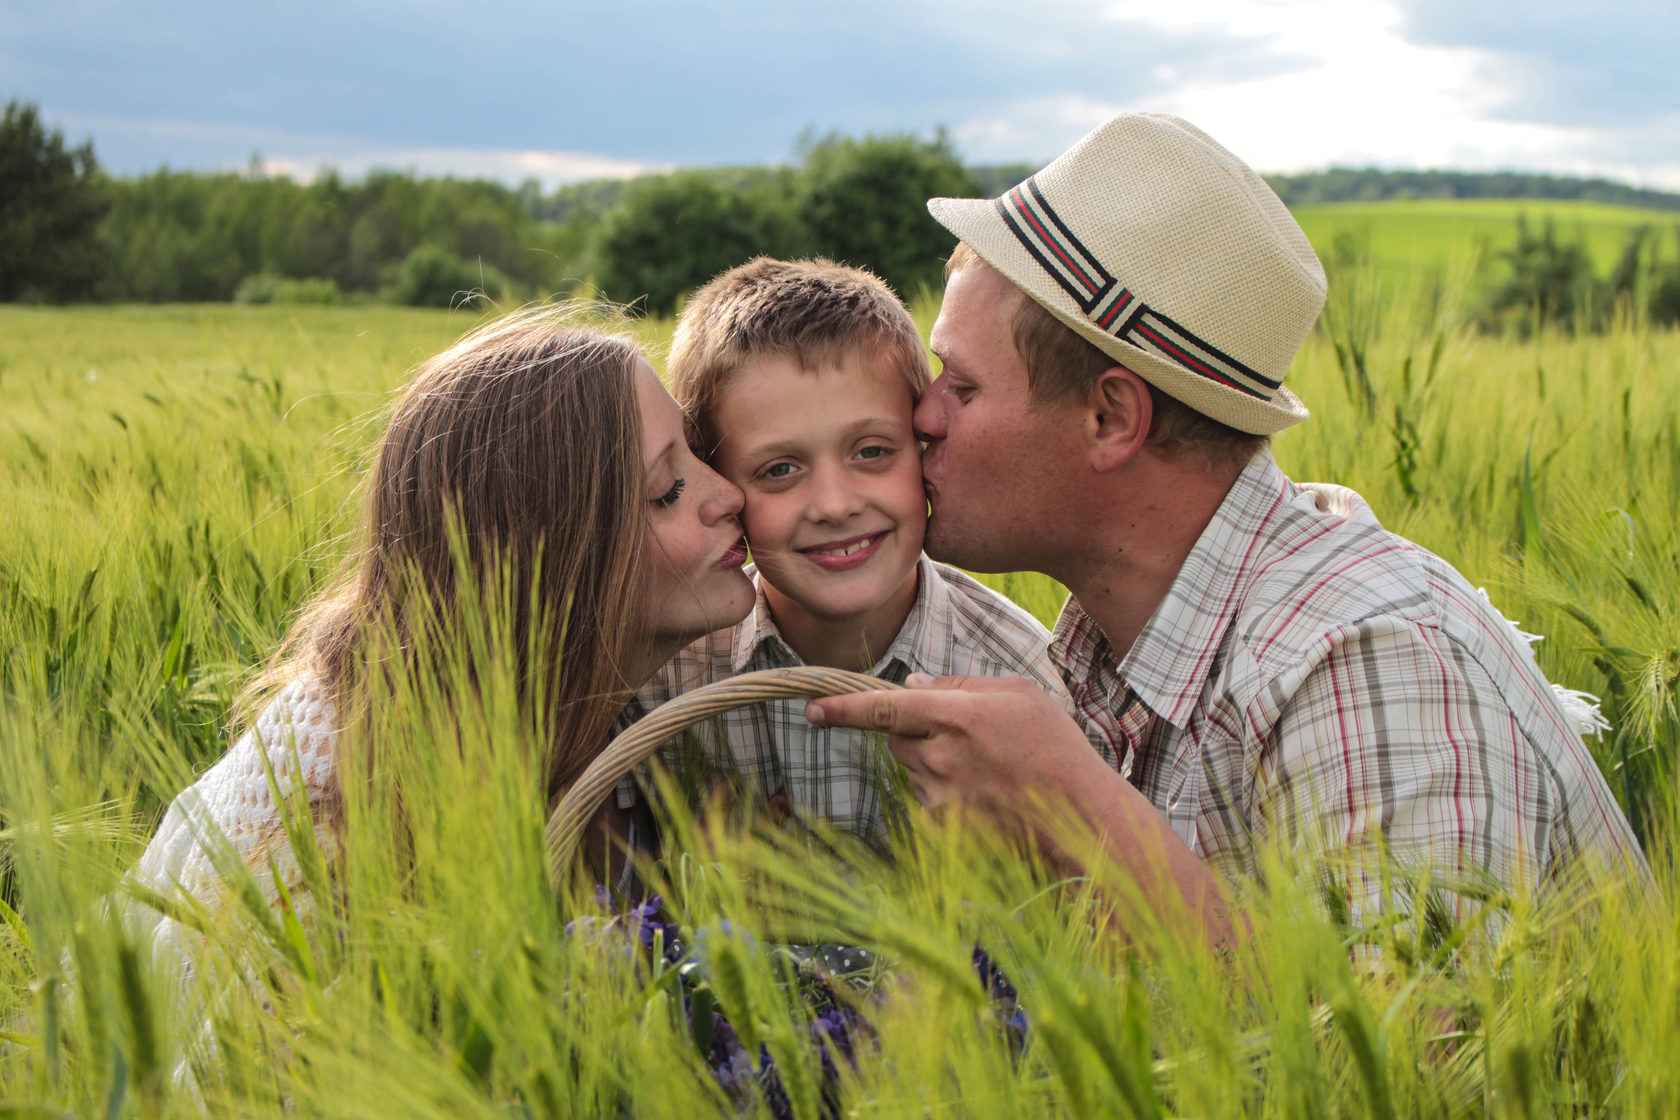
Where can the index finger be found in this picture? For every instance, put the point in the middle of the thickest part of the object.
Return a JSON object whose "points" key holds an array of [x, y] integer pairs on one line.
{"points": [[910, 714], [971, 684]]}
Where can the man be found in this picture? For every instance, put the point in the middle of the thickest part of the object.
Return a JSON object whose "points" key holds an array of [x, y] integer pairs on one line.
{"points": [[1267, 660]]}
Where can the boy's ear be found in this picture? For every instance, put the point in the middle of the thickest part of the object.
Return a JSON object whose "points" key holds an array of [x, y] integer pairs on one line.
{"points": [[1118, 412]]}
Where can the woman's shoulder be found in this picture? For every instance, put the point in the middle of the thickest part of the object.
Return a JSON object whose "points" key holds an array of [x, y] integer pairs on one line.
{"points": [[294, 737]]}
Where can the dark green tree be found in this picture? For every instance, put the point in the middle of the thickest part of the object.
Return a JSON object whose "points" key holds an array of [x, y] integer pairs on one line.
{"points": [[1664, 295], [669, 234], [1551, 282], [51, 200], [864, 202]]}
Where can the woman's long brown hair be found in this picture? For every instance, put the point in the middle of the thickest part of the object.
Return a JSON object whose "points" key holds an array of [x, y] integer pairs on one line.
{"points": [[513, 456]]}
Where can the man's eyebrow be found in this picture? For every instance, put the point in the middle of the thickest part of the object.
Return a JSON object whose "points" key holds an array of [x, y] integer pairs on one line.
{"points": [[946, 362]]}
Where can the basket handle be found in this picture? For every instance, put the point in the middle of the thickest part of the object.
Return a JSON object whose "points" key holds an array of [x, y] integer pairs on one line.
{"points": [[641, 739]]}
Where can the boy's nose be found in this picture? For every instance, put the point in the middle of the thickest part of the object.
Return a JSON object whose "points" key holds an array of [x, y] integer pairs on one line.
{"points": [[832, 497]]}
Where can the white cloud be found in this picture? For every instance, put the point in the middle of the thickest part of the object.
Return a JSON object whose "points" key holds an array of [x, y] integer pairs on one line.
{"points": [[303, 156], [1349, 90], [505, 164], [1031, 128]]}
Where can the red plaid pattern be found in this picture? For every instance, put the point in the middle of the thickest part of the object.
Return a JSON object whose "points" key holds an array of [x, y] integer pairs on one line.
{"points": [[957, 626], [1311, 674]]}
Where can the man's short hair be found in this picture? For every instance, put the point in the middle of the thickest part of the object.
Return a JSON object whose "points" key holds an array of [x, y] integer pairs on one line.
{"points": [[1062, 366], [816, 312]]}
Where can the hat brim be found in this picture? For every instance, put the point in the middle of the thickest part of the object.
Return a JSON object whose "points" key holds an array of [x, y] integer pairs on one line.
{"points": [[977, 222]]}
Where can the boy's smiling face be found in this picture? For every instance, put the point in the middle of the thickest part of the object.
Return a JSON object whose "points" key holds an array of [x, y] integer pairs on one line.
{"points": [[835, 509]]}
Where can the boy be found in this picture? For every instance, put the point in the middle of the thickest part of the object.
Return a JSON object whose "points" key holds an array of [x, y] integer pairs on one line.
{"points": [[801, 377]]}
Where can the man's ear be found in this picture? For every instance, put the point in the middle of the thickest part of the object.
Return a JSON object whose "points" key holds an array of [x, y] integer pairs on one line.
{"points": [[1117, 417]]}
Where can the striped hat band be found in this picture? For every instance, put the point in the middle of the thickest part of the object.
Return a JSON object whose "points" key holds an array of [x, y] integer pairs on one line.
{"points": [[1110, 305]]}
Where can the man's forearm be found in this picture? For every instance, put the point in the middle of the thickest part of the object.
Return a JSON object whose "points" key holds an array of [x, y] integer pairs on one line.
{"points": [[1171, 881]]}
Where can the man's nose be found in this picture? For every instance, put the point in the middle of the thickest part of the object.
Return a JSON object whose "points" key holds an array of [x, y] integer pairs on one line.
{"points": [[929, 418]]}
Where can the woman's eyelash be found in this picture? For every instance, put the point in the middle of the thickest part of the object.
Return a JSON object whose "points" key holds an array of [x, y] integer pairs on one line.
{"points": [[670, 495]]}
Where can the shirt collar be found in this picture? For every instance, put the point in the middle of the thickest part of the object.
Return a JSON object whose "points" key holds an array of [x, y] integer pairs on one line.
{"points": [[1169, 663], [908, 649], [757, 629]]}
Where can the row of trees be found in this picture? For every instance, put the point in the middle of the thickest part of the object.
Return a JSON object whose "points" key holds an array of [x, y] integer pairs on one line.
{"points": [[69, 232], [1369, 184]]}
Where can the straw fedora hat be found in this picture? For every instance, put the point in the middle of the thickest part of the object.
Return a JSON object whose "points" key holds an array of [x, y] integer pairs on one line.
{"points": [[1170, 254]]}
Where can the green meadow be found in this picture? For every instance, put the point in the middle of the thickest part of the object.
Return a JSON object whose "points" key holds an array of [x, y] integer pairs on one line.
{"points": [[1457, 242], [175, 480]]}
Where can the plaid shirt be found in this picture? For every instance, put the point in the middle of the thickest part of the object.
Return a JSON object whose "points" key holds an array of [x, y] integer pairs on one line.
{"points": [[1313, 675], [956, 626]]}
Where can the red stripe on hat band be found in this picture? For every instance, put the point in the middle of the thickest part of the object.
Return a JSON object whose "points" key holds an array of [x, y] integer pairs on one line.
{"points": [[1195, 364], [1044, 235], [1125, 298]]}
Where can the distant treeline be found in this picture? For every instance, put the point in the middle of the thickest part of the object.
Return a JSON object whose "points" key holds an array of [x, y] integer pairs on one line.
{"points": [[69, 232], [1338, 184], [1344, 184]]}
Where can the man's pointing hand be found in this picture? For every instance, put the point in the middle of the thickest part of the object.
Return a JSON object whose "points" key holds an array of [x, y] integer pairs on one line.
{"points": [[1004, 747], [981, 741]]}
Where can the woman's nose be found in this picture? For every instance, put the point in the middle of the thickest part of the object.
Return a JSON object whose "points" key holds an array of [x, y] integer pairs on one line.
{"points": [[722, 498]]}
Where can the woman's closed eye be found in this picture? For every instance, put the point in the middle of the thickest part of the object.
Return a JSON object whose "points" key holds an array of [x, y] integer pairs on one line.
{"points": [[670, 495]]}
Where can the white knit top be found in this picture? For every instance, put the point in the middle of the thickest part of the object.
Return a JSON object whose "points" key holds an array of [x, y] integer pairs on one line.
{"points": [[298, 732]]}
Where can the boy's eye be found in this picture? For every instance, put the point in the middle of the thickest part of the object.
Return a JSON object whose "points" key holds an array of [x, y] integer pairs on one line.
{"points": [[670, 495], [874, 451], [777, 470]]}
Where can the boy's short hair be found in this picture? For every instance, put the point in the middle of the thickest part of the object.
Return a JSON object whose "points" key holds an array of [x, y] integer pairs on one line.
{"points": [[1062, 365], [815, 312]]}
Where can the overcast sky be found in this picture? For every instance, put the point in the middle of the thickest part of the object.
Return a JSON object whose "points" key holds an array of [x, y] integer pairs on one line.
{"points": [[564, 90]]}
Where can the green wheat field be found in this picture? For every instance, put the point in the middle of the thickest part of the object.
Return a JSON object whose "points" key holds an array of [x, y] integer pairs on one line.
{"points": [[175, 480]]}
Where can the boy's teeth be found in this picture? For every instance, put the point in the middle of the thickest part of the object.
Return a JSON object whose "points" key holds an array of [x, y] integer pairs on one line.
{"points": [[849, 549]]}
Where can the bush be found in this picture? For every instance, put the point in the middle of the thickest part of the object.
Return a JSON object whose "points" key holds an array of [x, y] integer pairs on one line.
{"points": [[265, 287], [671, 233], [432, 276], [1551, 283], [864, 202]]}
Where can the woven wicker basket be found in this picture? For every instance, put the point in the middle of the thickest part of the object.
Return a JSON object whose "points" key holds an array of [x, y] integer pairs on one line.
{"points": [[627, 751]]}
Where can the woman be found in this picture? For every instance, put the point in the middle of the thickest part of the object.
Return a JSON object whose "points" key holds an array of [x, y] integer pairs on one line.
{"points": [[537, 459]]}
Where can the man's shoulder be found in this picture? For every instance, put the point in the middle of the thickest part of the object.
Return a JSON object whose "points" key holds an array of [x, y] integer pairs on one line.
{"points": [[1326, 572], [1325, 563]]}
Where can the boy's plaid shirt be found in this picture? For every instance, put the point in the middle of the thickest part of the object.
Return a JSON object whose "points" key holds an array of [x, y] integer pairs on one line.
{"points": [[1313, 675], [957, 626]]}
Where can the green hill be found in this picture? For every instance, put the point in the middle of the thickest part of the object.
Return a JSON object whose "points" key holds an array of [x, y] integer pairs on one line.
{"points": [[1413, 241]]}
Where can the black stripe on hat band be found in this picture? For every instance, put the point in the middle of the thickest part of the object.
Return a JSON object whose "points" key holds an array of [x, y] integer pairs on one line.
{"points": [[1209, 353], [1056, 265], [1111, 308]]}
